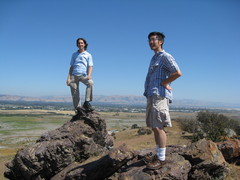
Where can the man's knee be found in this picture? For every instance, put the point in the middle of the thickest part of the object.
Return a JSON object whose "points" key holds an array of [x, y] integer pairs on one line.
{"points": [[158, 129], [90, 82]]}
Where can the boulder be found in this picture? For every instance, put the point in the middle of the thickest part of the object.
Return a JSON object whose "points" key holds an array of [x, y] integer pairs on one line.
{"points": [[206, 160], [230, 150], [83, 136], [99, 169], [176, 168], [230, 132]]}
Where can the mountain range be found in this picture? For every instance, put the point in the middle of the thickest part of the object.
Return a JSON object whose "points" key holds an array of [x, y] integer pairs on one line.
{"points": [[117, 99]]}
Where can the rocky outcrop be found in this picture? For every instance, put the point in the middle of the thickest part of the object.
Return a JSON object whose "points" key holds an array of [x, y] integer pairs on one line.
{"points": [[206, 159], [59, 155], [175, 168], [100, 169], [83, 136], [200, 160]]}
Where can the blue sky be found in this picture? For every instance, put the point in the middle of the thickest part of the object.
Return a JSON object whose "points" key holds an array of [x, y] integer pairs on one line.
{"points": [[37, 39]]}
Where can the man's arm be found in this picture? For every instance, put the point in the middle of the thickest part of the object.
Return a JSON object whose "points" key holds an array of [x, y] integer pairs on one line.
{"points": [[89, 72], [69, 75], [171, 78]]}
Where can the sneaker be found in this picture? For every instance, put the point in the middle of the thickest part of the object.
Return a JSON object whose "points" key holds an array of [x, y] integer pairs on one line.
{"points": [[150, 157], [87, 106], [156, 164]]}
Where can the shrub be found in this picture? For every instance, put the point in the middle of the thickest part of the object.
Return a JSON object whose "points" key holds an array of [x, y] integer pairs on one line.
{"points": [[213, 126], [143, 131], [209, 125], [135, 126], [189, 125]]}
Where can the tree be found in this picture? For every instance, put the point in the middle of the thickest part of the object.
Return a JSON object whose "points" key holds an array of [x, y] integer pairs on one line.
{"points": [[212, 126]]}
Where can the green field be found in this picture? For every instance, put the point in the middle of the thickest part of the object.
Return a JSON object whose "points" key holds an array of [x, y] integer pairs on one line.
{"points": [[20, 129]]}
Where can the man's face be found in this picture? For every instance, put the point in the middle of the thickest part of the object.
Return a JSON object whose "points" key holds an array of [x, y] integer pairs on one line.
{"points": [[81, 44], [154, 43]]}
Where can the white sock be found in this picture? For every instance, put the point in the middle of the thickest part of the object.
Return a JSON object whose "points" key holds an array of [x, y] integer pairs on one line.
{"points": [[161, 153]]}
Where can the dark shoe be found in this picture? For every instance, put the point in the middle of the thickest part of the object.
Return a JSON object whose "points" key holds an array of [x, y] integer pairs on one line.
{"points": [[150, 157], [75, 118], [80, 113], [88, 107], [156, 164]]}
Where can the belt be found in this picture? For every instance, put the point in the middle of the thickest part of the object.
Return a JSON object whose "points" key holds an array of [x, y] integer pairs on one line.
{"points": [[84, 75]]}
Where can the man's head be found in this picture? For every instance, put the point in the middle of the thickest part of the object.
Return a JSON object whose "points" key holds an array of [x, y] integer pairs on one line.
{"points": [[156, 40], [82, 43]]}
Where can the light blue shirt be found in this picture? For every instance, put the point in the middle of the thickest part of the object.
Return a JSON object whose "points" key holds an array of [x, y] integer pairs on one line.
{"points": [[81, 62], [161, 67]]}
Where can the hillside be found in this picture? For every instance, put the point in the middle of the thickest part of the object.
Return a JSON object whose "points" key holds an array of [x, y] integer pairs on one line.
{"points": [[120, 99]]}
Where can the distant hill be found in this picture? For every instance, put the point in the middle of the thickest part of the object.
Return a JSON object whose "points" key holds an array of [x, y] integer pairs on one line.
{"points": [[118, 99], [115, 99], [35, 99]]}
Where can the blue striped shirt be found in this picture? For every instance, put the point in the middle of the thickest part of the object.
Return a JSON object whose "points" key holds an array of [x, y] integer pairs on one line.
{"points": [[161, 67]]}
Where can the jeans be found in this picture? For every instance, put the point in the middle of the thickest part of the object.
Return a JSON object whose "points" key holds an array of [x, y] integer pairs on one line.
{"points": [[74, 86]]}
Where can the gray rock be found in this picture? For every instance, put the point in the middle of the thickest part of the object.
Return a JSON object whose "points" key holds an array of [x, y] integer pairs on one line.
{"points": [[230, 132], [175, 168], [100, 169], [200, 160], [230, 150], [83, 136], [206, 160]]}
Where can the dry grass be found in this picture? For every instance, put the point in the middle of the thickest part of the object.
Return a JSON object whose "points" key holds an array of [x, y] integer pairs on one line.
{"points": [[136, 142], [35, 111], [234, 172]]}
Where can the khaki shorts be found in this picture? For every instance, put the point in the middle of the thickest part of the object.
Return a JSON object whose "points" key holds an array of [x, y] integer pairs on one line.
{"points": [[157, 112]]}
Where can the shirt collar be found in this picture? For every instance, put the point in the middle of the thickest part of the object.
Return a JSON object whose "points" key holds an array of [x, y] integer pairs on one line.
{"points": [[159, 52], [81, 52]]}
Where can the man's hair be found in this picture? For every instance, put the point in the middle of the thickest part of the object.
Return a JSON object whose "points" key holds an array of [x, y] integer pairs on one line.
{"points": [[159, 35], [85, 42]]}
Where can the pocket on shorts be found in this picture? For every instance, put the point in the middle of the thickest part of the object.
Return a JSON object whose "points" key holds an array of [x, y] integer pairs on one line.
{"points": [[163, 112], [164, 115]]}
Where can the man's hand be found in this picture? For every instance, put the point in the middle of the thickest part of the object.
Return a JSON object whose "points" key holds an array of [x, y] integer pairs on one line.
{"points": [[68, 82], [89, 77], [173, 76], [166, 85]]}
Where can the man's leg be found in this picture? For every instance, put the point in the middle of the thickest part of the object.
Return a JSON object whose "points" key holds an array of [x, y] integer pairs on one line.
{"points": [[89, 94], [74, 86], [159, 159], [160, 137], [159, 118], [89, 91], [162, 119], [161, 141]]}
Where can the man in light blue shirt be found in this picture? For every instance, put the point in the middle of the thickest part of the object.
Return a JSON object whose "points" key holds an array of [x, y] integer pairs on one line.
{"points": [[80, 62], [81, 71], [163, 69]]}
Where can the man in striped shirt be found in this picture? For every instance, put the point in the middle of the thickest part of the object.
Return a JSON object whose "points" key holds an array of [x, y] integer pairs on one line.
{"points": [[163, 70]]}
